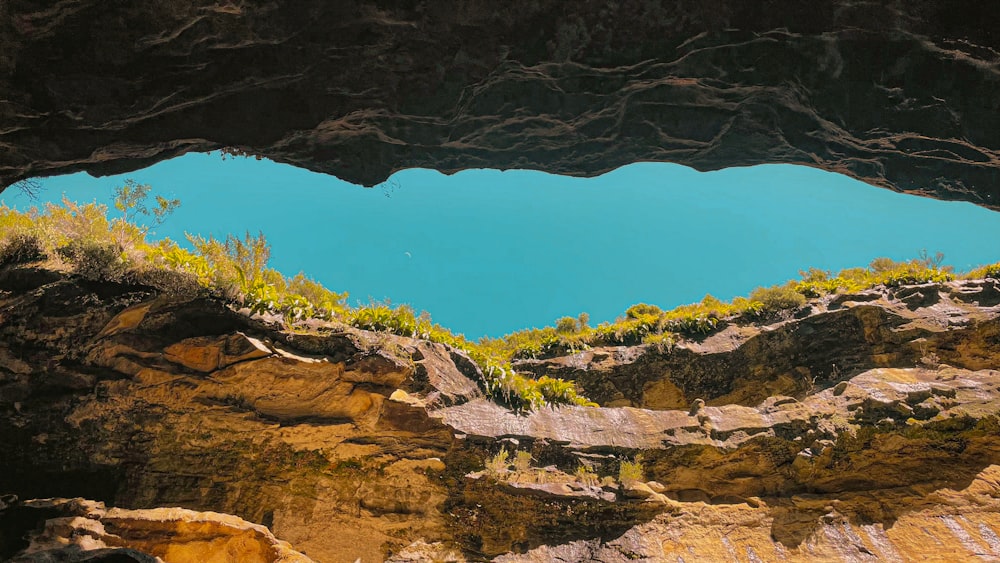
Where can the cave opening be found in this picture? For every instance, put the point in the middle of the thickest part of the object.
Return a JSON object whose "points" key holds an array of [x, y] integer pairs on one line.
{"points": [[489, 252]]}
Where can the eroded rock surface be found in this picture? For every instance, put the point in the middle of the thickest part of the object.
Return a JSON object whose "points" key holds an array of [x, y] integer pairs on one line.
{"points": [[902, 95], [945, 525], [350, 444], [835, 338], [71, 530], [120, 395]]}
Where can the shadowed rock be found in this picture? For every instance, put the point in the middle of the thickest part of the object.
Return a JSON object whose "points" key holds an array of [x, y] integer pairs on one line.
{"points": [[902, 96]]}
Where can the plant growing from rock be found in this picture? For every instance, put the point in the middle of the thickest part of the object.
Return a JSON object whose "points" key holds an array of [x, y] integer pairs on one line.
{"points": [[83, 237], [778, 298], [381, 317], [20, 248], [499, 464], [630, 471], [991, 271], [585, 476], [522, 461], [662, 343]]}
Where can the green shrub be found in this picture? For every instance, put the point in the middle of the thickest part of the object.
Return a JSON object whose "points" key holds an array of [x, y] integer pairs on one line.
{"points": [[95, 260], [499, 464], [912, 273], [585, 476], [522, 461], [661, 342], [642, 311], [630, 471], [532, 343], [261, 297], [924, 269], [326, 304], [692, 324], [566, 325], [59, 225], [167, 254], [624, 333], [295, 308], [989, 271], [883, 264], [777, 298], [130, 199], [741, 306], [237, 265], [816, 283], [20, 248], [380, 317]]}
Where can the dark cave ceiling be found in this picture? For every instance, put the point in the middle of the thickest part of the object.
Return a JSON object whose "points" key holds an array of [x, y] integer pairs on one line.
{"points": [[903, 95]]}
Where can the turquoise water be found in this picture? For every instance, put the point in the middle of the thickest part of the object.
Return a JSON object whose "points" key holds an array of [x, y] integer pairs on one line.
{"points": [[489, 252]]}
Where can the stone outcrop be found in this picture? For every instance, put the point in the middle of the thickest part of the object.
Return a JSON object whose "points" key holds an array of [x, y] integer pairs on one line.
{"points": [[836, 337], [70, 530], [113, 393], [349, 444], [945, 525], [901, 94]]}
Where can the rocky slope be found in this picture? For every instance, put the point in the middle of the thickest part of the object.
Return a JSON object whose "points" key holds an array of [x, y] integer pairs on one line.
{"points": [[349, 444], [899, 94]]}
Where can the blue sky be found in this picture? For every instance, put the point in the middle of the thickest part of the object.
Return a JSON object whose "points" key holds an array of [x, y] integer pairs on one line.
{"points": [[490, 252]]}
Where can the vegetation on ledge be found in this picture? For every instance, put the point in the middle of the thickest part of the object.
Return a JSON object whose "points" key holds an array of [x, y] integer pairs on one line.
{"points": [[84, 239]]}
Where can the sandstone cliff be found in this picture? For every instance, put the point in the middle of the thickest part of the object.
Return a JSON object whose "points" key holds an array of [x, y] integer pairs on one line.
{"points": [[349, 444]]}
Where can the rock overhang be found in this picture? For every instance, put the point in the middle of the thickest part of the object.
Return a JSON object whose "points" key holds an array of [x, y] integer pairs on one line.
{"points": [[903, 96]]}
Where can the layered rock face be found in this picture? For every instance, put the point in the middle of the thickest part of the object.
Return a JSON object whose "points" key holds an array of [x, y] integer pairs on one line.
{"points": [[833, 339], [350, 444], [80, 530], [114, 394], [902, 95]]}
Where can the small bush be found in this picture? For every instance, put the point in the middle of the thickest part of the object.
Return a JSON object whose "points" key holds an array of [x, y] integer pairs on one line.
{"points": [[327, 304], [628, 332], [556, 391], [20, 248], [380, 317], [912, 273], [585, 476], [924, 269], [642, 310], [693, 324], [63, 224], [522, 461], [660, 342], [744, 307], [498, 464], [166, 254], [535, 343], [95, 260], [566, 325], [991, 271], [778, 298], [237, 265], [630, 471], [883, 264]]}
